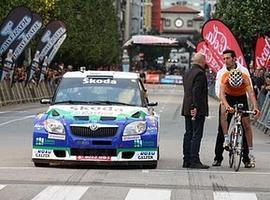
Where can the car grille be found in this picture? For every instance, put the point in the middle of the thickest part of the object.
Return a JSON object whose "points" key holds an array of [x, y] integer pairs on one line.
{"points": [[101, 132]]}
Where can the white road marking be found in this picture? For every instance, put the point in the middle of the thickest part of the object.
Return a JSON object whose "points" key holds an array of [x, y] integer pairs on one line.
{"points": [[2, 186], [149, 194], [209, 171], [15, 120], [234, 196], [61, 193]]}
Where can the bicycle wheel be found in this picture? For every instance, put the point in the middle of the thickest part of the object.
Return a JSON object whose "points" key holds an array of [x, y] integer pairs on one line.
{"points": [[237, 150], [230, 151], [230, 158]]}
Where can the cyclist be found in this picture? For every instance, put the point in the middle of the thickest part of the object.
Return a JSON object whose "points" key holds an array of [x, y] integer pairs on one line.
{"points": [[233, 88], [229, 57]]}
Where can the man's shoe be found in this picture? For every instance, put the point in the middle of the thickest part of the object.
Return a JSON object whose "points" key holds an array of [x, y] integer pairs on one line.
{"points": [[216, 163], [186, 165], [198, 166]]}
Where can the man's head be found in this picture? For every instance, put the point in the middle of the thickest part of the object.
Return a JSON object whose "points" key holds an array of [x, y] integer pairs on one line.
{"points": [[199, 59], [229, 58]]}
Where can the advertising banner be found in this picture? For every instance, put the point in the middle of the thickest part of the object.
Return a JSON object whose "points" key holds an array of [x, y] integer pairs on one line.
{"points": [[53, 32], [13, 26], [217, 38], [262, 52]]}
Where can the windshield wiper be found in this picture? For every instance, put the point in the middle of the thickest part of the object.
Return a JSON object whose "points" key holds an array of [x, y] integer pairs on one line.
{"points": [[94, 102], [71, 102], [111, 103]]}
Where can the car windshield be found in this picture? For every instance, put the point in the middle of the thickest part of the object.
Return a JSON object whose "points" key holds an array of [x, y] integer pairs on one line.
{"points": [[91, 90]]}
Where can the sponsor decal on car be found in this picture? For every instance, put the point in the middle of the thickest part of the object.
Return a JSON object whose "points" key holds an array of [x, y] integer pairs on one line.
{"points": [[56, 136], [131, 137], [93, 158], [43, 141], [39, 126], [88, 80], [146, 155], [138, 143], [43, 153]]}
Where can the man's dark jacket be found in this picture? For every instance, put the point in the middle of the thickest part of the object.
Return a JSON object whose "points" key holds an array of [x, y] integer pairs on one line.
{"points": [[195, 91]]}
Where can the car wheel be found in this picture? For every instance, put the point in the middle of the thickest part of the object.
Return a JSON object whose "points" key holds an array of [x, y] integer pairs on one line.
{"points": [[41, 164]]}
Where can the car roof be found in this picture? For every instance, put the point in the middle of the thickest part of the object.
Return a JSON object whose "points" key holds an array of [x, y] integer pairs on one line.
{"points": [[115, 74]]}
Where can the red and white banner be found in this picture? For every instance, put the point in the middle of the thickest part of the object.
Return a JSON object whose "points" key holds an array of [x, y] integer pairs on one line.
{"points": [[262, 52], [217, 38]]}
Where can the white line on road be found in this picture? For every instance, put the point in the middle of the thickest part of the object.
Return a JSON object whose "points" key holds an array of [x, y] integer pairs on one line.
{"points": [[234, 196], [2, 186], [206, 171], [15, 120], [61, 193], [149, 194]]}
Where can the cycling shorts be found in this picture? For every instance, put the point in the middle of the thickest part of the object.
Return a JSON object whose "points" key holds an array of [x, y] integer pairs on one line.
{"points": [[232, 100]]}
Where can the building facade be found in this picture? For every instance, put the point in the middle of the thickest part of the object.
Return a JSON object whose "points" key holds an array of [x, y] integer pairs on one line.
{"points": [[180, 22]]}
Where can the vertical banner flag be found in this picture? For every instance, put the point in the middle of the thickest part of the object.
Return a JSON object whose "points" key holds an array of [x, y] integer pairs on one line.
{"points": [[53, 32], [262, 52], [13, 26], [23, 40], [216, 38]]}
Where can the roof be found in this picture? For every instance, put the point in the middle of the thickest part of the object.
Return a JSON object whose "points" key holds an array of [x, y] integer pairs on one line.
{"points": [[180, 9], [115, 74]]}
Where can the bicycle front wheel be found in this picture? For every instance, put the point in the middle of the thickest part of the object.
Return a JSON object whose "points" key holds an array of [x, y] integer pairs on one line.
{"points": [[237, 150]]}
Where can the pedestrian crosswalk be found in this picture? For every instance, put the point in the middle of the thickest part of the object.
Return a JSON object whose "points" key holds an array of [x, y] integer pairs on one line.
{"points": [[61, 192], [75, 192]]}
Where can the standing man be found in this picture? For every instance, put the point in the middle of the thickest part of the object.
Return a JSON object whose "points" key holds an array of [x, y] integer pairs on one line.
{"points": [[195, 109], [229, 57]]}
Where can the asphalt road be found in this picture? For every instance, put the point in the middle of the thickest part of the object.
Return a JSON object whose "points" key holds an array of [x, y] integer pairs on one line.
{"points": [[19, 179]]}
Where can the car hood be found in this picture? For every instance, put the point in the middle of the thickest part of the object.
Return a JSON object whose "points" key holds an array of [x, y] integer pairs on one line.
{"points": [[96, 112]]}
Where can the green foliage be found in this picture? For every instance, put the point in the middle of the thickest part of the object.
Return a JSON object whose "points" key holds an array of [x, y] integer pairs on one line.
{"points": [[247, 20], [92, 28]]}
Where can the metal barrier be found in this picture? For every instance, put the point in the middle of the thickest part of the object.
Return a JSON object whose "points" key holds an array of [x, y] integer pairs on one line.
{"points": [[19, 93], [264, 120]]}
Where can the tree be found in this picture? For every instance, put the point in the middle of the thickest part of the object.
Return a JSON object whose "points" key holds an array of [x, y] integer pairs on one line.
{"points": [[92, 33], [91, 25], [247, 20]]}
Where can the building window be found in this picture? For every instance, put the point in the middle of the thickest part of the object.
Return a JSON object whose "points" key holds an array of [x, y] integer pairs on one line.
{"points": [[167, 22], [189, 23]]}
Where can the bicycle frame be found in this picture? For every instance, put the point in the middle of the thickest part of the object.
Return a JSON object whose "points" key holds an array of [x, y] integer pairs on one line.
{"points": [[235, 132]]}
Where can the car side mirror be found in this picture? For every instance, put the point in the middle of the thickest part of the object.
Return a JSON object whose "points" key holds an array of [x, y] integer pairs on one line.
{"points": [[45, 101], [152, 104]]}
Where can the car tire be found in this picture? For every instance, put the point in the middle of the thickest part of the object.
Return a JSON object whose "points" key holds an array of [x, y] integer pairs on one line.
{"points": [[41, 164]]}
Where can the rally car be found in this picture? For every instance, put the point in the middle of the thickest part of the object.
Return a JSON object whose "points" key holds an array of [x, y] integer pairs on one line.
{"points": [[97, 117]]}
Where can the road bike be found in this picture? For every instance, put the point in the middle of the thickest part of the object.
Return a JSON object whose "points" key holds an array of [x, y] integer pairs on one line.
{"points": [[235, 132]]}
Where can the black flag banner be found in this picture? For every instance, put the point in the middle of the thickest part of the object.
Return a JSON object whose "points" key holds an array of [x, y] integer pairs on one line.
{"points": [[48, 59], [52, 34], [12, 27], [27, 36], [18, 46]]}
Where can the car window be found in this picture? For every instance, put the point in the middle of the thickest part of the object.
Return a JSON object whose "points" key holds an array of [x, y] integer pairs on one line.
{"points": [[113, 90]]}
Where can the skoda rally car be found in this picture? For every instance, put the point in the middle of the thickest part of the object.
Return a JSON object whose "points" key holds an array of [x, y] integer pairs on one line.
{"points": [[97, 117]]}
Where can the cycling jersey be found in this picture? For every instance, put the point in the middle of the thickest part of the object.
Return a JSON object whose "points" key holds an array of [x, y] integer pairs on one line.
{"points": [[235, 91], [224, 70]]}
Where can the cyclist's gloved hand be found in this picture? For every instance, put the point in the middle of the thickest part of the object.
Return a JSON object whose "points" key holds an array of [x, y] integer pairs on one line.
{"points": [[230, 109], [257, 113]]}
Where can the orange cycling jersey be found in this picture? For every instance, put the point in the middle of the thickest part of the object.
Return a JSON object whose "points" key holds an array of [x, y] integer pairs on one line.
{"points": [[235, 91]]}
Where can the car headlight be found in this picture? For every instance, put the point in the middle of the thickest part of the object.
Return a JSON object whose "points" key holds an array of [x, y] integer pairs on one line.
{"points": [[135, 128], [54, 126]]}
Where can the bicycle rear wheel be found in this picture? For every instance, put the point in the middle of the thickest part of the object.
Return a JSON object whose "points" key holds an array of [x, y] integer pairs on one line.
{"points": [[231, 158]]}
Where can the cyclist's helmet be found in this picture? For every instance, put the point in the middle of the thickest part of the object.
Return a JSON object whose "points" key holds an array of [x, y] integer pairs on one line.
{"points": [[235, 78]]}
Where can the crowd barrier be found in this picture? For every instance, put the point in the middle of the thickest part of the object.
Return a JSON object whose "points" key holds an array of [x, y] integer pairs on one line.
{"points": [[263, 122], [19, 93]]}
